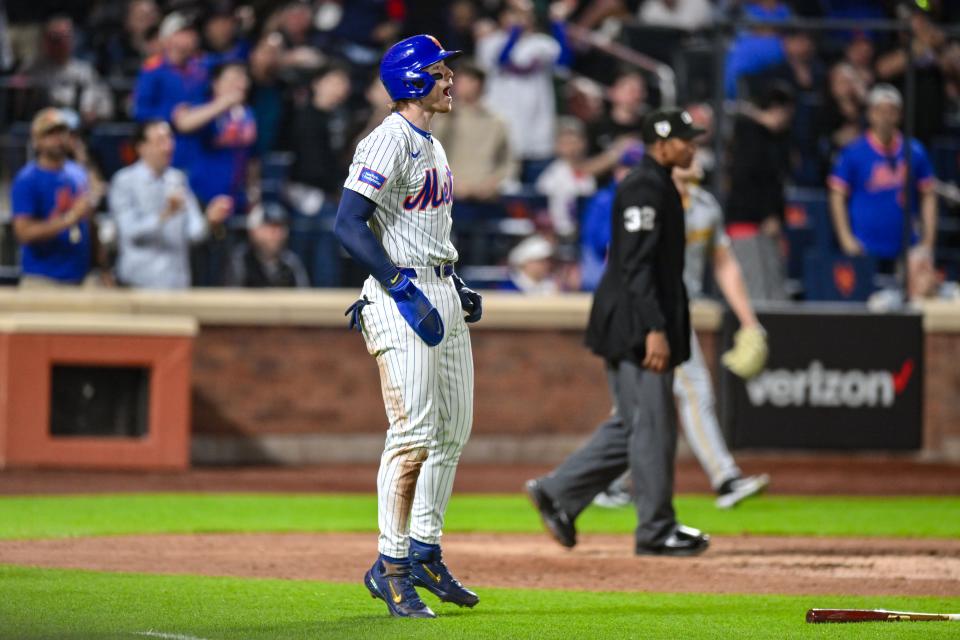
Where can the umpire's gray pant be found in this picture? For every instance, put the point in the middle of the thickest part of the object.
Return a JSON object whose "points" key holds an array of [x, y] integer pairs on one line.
{"points": [[641, 437]]}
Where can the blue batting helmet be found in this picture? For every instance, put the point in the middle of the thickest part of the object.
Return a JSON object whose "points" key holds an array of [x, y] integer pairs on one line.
{"points": [[402, 68]]}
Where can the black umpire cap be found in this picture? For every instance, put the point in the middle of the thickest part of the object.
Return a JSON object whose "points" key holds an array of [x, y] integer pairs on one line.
{"points": [[664, 124]]}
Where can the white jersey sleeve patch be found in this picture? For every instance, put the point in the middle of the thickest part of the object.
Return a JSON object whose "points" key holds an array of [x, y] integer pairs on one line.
{"points": [[376, 164]]}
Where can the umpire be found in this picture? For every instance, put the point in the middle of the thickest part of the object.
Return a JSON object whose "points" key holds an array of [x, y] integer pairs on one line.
{"points": [[640, 325]]}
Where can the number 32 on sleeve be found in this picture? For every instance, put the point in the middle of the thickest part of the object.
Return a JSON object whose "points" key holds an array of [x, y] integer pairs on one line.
{"points": [[639, 219]]}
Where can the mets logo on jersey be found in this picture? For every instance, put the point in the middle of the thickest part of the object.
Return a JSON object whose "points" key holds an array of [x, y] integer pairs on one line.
{"points": [[62, 201], [883, 177], [844, 278], [432, 193]]}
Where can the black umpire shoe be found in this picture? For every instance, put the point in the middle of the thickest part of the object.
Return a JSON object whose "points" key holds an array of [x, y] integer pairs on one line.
{"points": [[556, 521], [683, 541]]}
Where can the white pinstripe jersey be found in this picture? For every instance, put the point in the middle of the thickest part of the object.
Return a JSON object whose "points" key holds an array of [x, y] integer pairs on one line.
{"points": [[405, 171]]}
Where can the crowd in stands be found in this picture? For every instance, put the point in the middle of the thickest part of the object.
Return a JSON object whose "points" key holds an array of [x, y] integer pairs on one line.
{"points": [[229, 128]]}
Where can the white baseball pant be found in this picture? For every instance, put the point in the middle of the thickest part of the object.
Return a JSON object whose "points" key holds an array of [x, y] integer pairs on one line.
{"points": [[693, 389], [428, 395]]}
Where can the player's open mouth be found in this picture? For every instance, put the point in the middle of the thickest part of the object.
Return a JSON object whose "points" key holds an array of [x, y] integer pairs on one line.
{"points": [[446, 92]]}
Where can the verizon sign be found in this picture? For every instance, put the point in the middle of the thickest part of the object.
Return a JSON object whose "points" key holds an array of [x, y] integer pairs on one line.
{"points": [[836, 378], [817, 386]]}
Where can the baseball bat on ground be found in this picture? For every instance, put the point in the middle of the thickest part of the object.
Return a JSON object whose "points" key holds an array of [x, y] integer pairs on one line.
{"points": [[876, 615]]}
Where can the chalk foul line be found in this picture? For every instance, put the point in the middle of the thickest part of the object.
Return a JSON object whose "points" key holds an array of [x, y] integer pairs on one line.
{"points": [[166, 636]]}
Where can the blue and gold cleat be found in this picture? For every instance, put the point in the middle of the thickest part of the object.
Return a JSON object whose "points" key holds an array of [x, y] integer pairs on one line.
{"points": [[391, 582], [427, 570]]}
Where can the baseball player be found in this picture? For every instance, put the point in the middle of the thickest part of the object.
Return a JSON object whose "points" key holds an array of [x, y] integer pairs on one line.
{"points": [[708, 242], [394, 219]]}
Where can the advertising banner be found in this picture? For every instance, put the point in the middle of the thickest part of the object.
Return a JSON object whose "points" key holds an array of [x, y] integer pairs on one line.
{"points": [[837, 378]]}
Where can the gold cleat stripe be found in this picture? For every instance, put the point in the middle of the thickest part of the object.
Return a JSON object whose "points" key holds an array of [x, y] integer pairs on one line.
{"points": [[432, 575], [393, 592]]}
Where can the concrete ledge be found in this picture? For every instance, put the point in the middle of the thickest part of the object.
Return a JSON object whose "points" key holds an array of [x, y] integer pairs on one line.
{"points": [[312, 308], [941, 316], [269, 307], [71, 323]]}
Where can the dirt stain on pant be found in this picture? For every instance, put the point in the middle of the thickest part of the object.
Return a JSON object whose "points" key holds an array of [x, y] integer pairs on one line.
{"points": [[409, 462], [392, 393]]}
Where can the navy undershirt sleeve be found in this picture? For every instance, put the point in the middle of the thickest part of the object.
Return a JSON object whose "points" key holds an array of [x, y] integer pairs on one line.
{"points": [[357, 238]]}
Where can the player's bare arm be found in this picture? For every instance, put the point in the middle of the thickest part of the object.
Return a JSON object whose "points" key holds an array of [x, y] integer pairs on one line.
{"points": [[729, 277]]}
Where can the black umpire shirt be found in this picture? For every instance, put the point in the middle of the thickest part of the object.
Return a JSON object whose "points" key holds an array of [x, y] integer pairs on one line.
{"points": [[642, 288]]}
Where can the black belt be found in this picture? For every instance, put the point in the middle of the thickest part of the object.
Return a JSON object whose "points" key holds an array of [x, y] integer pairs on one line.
{"points": [[444, 270]]}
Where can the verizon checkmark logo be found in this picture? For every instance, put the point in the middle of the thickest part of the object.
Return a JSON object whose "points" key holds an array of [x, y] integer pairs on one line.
{"points": [[902, 377], [817, 386]]}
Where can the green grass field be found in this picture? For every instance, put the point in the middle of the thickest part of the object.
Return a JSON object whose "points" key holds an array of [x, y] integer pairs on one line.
{"points": [[43, 603], [59, 516], [79, 605]]}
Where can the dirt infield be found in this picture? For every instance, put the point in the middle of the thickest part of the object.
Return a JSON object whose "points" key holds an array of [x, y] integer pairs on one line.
{"points": [[809, 474], [735, 564]]}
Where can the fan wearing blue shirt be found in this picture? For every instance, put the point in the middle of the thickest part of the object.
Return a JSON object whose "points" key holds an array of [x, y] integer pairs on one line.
{"points": [[595, 223], [761, 51], [225, 132], [223, 35], [51, 204], [171, 80], [867, 194]]}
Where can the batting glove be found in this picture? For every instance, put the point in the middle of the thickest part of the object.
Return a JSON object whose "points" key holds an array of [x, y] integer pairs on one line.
{"points": [[356, 322], [417, 310], [470, 300]]}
